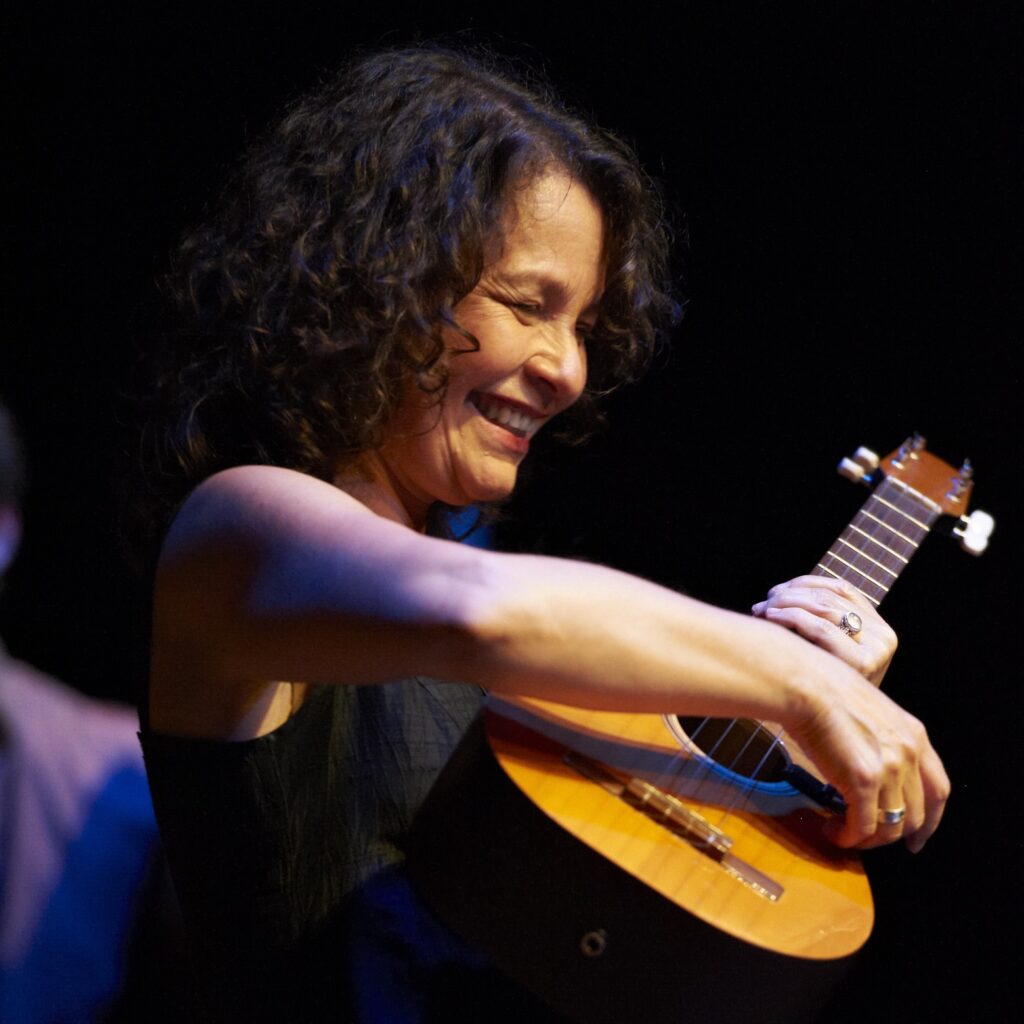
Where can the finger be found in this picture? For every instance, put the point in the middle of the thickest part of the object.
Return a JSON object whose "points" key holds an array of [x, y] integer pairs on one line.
{"points": [[912, 809], [821, 602], [892, 817], [899, 795], [936, 790], [860, 822], [864, 652], [858, 825], [843, 589], [821, 592], [810, 624], [916, 804]]}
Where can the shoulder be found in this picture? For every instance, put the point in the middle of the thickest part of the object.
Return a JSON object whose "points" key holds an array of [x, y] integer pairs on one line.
{"points": [[252, 506], [235, 525], [239, 547], [256, 491], [259, 537]]}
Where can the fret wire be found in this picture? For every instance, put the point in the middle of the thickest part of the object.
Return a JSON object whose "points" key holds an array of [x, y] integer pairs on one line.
{"points": [[891, 529], [931, 508], [899, 511], [923, 509], [891, 498], [875, 540], [860, 572], [879, 531], [890, 544], [825, 569], [864, 554], [929, 522], [921, 513], [904, 497]]}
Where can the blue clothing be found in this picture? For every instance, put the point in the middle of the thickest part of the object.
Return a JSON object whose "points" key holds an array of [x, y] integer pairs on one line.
{"points": [[77, 838]]}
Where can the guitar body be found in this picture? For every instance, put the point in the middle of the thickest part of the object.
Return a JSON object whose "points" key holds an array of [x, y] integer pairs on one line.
{"points": [[804, 896], [594, 941], [644, 867]]}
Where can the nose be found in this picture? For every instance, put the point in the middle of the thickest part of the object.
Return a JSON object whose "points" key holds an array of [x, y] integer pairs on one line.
{"points": [[559, 368]]}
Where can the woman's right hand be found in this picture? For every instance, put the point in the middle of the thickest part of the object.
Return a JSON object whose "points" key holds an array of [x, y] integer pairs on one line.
{"points": [[879, 757]]}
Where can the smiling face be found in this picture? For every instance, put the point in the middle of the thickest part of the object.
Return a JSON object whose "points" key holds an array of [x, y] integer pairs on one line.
{"points": [[530, 312]]}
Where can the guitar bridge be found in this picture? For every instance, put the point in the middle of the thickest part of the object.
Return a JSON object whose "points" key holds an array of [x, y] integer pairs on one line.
{"points": [[671, 813]]}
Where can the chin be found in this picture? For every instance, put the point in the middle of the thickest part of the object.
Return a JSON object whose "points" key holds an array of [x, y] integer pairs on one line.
{"points": [[488, 490], [488, 495]]}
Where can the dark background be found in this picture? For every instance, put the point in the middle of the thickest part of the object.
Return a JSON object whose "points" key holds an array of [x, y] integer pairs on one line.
{"points": [[848, 178]]}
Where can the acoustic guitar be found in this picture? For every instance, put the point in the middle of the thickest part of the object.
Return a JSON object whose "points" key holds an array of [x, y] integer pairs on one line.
{"points": [[670, 850]]}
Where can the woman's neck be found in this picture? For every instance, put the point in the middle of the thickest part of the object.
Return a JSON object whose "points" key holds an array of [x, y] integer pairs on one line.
{"points": [[370, 482]]}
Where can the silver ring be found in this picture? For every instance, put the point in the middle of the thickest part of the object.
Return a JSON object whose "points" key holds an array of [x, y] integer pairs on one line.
{"points": [[893, 817], [851, 623]]}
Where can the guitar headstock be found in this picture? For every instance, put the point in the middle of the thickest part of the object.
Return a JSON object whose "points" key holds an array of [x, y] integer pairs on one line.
{"points": [[932, 478]]}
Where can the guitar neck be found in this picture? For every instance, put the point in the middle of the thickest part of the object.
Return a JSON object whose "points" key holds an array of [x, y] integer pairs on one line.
{"points": [[875, 548]]}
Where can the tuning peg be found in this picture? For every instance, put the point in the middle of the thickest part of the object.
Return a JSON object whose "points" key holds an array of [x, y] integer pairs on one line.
{"points": [[959, 483], [867, 458], [980, 523], [860, 467], [973, 545], [852, 471], [909, 449], [974, 531]]}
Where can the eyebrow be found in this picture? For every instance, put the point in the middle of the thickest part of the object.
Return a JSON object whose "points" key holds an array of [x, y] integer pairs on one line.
{"points": [[548, 285]]}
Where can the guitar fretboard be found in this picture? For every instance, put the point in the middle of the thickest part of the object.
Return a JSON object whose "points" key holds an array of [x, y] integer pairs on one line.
{"points": [[875, 548]]}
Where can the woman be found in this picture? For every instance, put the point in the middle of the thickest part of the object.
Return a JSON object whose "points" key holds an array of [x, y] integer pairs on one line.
{"points": [[423, 265]]}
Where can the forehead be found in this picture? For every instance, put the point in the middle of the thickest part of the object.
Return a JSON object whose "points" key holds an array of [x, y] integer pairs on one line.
{"points": [[551, 223]]}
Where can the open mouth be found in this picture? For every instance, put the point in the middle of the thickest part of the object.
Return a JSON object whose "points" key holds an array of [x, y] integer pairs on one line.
{"points": [[505, 414]]}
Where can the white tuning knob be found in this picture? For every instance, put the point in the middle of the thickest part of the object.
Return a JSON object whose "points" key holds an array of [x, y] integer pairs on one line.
{"points": [[975, 532], [851, 470], [980, 523], [867, 458], [973, 544]]}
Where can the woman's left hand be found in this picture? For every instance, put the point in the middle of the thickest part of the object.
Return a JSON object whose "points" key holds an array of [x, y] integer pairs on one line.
{"points": [[827, 611]]}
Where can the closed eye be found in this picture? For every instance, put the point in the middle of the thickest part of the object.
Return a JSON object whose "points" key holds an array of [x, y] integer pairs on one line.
{"points": [[527, 313], [526, 308]]}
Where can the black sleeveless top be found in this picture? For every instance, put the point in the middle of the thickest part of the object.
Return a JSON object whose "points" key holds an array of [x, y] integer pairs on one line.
{"points": [[286, 853]]}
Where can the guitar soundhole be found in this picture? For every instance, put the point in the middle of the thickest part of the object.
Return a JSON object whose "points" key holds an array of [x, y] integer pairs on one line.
{"points": [[740, 745]]}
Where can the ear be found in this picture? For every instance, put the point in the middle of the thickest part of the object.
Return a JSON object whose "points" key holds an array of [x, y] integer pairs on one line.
{"points": [[10, 536]]}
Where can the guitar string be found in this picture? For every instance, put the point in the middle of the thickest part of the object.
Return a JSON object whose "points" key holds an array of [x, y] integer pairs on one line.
{"points": [[905, 496], [709, 760]]}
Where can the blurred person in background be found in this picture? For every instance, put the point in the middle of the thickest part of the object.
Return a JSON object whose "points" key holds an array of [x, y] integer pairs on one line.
{"points": [[83, 911]]}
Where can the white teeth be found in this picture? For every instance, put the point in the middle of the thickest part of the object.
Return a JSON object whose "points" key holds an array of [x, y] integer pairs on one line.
{"points": [[505, 416]]}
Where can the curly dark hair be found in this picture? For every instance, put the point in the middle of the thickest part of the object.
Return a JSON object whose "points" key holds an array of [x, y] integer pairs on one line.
{"points": [[345, 240]]}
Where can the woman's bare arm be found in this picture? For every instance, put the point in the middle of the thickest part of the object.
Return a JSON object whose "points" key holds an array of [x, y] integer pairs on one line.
{"points": [[269, 575]]}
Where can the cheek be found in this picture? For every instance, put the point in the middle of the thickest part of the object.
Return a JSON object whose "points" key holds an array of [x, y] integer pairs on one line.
{"points": [[500, 344]]}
